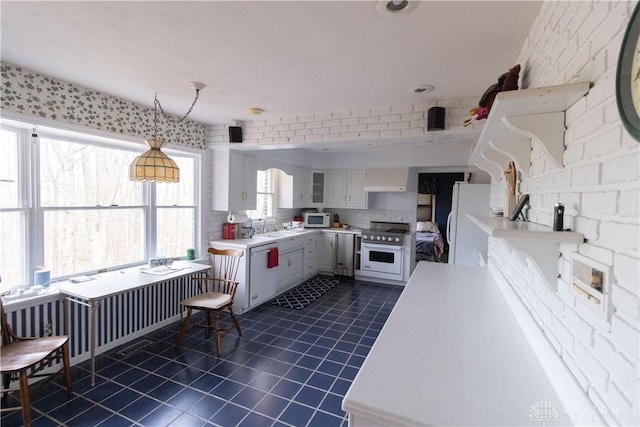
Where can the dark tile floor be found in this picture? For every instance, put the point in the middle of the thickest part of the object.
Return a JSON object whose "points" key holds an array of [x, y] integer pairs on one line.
{"points": [[289, 368]]}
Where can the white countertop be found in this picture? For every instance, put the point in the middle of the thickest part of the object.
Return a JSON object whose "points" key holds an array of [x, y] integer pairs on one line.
{"points": [[265, 238], [451, 353]]}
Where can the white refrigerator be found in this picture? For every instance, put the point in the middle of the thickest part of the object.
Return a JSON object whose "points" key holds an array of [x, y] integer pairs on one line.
{"points": [[466, 240]]}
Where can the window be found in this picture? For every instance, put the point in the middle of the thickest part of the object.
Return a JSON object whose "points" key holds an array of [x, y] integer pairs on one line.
{"points": [[265, 201], [176, 211], [14, 209], [80, 212]]}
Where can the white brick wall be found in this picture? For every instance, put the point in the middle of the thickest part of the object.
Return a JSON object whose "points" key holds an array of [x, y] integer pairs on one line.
{"points": [[599, 185], [370, 124]]}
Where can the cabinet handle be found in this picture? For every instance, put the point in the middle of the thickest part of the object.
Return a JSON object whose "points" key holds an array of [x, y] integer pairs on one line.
{"points": [[345, 197], [349, 198]]}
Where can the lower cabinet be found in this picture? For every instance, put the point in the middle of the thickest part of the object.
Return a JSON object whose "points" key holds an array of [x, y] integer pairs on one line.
{"points": [[311, 255], [290, 269]]}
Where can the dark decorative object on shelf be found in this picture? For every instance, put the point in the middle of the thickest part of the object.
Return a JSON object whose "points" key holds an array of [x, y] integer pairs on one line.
{"points": [[507, 81], [628, 77], [518, 209]]}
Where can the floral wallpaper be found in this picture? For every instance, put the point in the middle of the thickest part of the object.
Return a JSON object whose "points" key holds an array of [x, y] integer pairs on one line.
{"points": [[26, 92]]}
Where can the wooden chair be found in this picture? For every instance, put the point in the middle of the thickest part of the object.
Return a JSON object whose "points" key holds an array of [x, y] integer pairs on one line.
{"points": [[216, 294], [25, 358]]}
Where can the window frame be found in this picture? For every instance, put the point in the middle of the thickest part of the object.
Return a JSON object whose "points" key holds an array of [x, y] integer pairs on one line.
{"points": [[274, 179], [29, 156]]}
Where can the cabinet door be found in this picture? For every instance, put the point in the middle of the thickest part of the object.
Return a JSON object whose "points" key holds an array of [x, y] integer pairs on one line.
{"points": [[327, 258], [317, 188], [236, 181], [284, 272], [356, 196], [250, 182], [300, 192], [337, 185], [297, 266]]}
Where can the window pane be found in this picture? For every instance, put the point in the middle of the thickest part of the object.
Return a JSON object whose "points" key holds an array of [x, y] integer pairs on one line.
{"points": [[85, 240], [180, 193], [74, 174], [9, 189], [176, 231], [13, 257], [265, 181]]}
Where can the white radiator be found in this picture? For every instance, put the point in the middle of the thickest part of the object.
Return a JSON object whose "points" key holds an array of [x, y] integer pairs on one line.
{"points": [[120, 318]]}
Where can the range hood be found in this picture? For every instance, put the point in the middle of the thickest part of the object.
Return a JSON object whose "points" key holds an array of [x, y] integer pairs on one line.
{"points": [[386, 179]]}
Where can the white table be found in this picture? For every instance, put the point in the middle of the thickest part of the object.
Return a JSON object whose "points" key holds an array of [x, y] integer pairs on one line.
{"points": [[454, 352], [93, 292]]}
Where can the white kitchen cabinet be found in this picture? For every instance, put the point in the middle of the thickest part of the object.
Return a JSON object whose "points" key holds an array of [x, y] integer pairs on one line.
{"points": [[291, 260], [311, 256], [293, 190], [346, 189], [235, 181], [300, 187], [317, 196], [327, 259]]}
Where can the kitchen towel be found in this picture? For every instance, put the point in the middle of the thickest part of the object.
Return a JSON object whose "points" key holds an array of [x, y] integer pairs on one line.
{"points": [[272, 258]]}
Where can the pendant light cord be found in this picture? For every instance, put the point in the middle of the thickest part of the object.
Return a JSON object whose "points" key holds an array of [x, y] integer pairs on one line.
{"points": [[157, 102]]}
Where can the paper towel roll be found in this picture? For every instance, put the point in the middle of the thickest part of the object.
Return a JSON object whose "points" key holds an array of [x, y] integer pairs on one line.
{"points": [[41, 277], [236, 218]]}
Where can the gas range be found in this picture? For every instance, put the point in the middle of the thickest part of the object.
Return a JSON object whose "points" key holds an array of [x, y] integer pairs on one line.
{"points": [[389, 233]]}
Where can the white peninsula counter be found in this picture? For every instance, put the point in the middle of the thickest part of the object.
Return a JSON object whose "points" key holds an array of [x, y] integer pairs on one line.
{"points": [[454, 352]]}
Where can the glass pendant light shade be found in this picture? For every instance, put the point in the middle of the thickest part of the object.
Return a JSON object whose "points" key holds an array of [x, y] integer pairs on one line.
{"points": [[153, 165]]}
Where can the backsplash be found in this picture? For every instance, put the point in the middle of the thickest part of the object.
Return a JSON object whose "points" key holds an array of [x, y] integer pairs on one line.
{"points": [[34, 94]]}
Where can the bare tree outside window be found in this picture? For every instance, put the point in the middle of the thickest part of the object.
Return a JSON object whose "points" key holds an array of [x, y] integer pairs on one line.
{"points": [[80, 211]]}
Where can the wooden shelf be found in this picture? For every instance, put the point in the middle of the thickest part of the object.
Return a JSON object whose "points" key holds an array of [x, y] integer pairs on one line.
{"points": [[539, 242], [519, 116]]}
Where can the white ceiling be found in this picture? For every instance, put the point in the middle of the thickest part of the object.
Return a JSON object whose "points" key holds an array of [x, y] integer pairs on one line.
{"points": [[291, 58]]}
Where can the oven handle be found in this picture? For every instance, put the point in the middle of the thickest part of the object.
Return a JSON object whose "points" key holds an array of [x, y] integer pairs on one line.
{"points": [[388, 248]]}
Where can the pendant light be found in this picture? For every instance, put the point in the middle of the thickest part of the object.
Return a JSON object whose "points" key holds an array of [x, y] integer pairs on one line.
{"points": [[153, 165]]}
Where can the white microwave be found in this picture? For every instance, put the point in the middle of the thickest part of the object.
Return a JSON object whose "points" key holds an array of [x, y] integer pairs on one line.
{"points": [[316, 219]]}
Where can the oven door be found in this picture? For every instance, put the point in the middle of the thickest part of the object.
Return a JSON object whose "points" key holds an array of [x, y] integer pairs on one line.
{"points": [[381, 261]]}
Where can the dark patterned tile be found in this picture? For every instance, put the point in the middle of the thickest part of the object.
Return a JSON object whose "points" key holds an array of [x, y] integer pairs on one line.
{"points": [[296, 414], [140, 408], [162, 416], [229, 415], [271, 406], [293, 367]]}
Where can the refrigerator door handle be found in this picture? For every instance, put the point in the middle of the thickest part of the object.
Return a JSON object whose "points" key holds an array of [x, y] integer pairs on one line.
{"points": [[449, 227]]}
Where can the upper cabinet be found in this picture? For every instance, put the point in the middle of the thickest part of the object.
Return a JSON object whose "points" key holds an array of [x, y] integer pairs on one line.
{"points": [[300, 187], [293, 189], [235, 181], [519, 116], [317, 194], [345, 189]]}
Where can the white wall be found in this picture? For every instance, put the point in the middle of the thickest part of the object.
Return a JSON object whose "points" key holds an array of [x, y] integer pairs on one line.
{"points": [[599, 186]]}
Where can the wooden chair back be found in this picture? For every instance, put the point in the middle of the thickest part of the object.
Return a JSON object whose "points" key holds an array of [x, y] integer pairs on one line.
{"points": [[224, 269], [7, 333]]}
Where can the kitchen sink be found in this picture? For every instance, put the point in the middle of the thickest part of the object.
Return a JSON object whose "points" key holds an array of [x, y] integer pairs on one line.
{"points": [[283, 233]]}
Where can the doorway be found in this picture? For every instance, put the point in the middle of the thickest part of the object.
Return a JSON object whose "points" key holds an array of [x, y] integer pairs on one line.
{"points": [[433, 208]]}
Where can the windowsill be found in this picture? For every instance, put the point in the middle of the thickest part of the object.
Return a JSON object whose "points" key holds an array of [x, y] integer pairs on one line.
{"points": [[52, 293]]}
